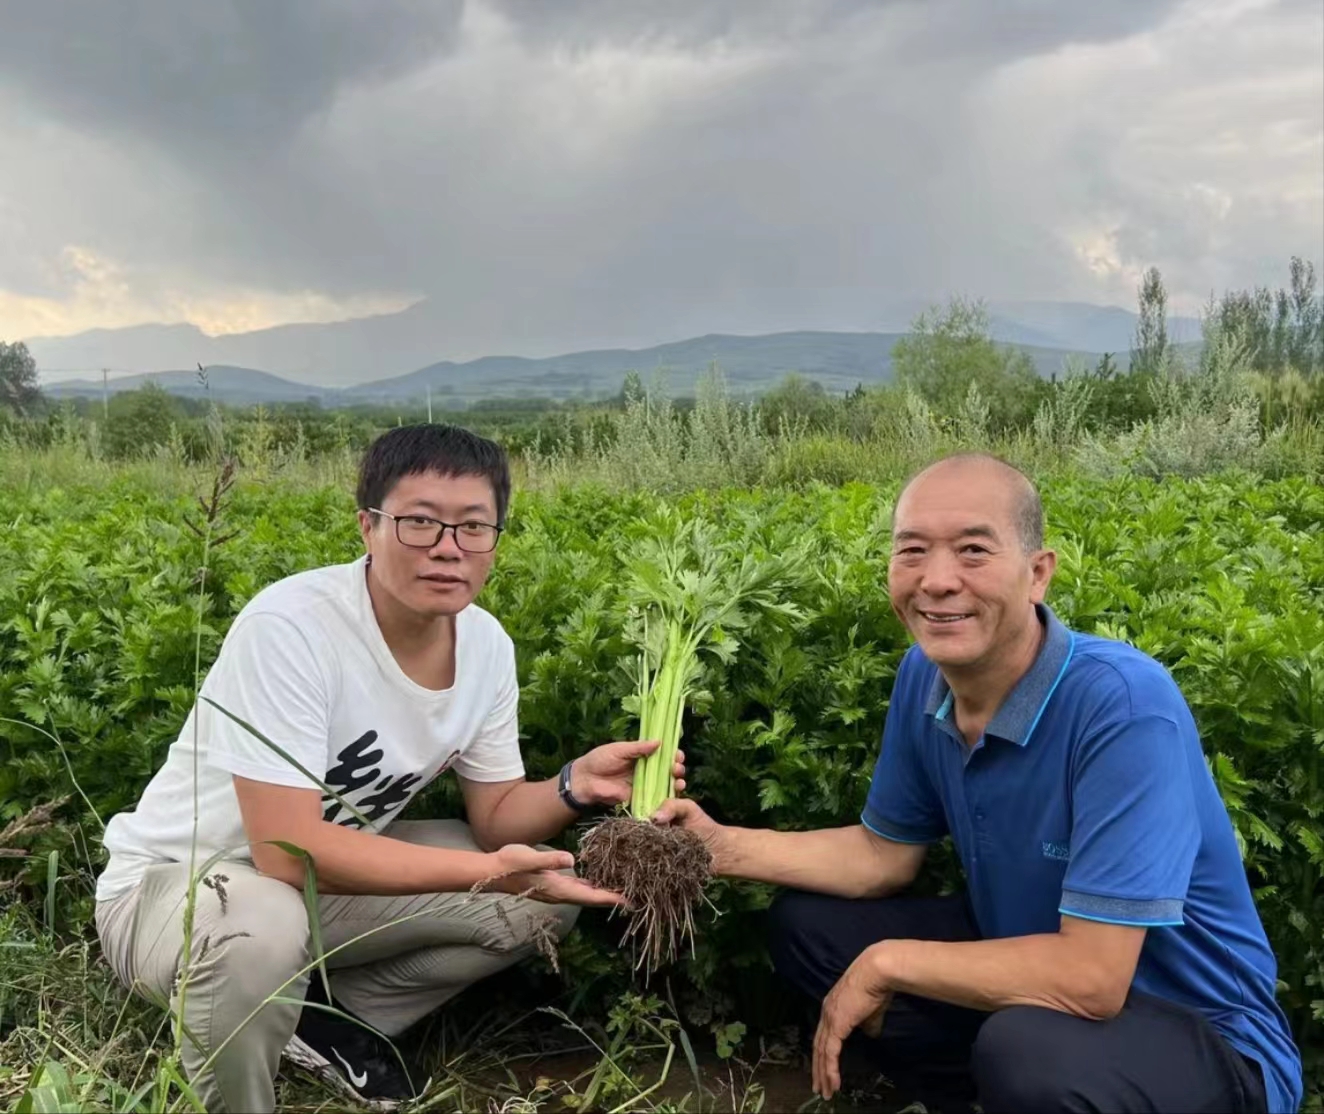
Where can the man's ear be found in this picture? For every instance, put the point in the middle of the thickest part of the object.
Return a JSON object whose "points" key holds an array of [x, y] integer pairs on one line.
{"points": [[1042, 566]]}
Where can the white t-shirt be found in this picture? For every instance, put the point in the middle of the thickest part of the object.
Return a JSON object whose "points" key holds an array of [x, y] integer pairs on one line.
{"points": [[306, 665]]}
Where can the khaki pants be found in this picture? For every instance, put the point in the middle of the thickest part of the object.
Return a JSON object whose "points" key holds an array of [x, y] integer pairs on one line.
{"points": [[253, 938]]}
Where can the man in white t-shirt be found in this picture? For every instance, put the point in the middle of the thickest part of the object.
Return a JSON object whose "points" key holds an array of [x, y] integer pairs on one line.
{"points": [[365, 682]]}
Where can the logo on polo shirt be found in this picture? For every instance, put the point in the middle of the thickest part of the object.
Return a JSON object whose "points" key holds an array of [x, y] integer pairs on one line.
{"points": [[1059, 851]]}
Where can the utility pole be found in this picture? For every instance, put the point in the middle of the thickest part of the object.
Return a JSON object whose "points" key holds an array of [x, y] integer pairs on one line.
{"points": [[105, 394], [429, 404]]}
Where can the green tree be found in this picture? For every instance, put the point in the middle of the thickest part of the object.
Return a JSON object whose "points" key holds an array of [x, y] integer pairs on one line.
{"points": [[632, 390], [1281, 328], [946, 352], [797, 400], [1248, 314], [18, 378], [1306, 346], [1118, 399], [139, 421], [1150, 352]]}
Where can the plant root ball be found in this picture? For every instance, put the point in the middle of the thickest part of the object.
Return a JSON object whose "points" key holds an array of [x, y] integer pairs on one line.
{"points": [[661, 871]]}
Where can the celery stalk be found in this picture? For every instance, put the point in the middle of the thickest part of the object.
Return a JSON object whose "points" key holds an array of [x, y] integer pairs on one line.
{"points": [[662, 710], [689, 581]]}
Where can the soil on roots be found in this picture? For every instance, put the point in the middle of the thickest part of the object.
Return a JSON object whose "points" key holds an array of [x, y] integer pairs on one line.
{"points": [[660, 871]]}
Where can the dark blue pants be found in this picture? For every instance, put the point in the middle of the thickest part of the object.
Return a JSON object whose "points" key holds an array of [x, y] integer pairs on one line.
{"points": [[1153, 1056]]}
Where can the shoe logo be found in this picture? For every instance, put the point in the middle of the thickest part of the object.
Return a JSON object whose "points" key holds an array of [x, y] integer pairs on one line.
{"points": [[357, 1080]]}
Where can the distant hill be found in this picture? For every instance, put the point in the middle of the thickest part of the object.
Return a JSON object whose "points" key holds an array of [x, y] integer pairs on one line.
{"points": [[1078, 325], [237, 386], [750, 364], [336, 354], [837, 360], [149, 347], [385, 347]]}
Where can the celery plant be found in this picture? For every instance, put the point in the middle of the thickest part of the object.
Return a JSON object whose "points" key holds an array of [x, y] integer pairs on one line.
{"points": [[691, 594]]}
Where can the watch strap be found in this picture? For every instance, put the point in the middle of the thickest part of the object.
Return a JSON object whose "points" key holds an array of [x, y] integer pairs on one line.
{"points": [[563, 789]]}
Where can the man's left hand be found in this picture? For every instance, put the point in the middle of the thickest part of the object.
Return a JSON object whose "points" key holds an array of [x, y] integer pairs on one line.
{"points": [[860, 998], [605, 775]]}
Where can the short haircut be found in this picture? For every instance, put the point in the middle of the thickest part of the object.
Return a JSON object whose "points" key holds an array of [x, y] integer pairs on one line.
{"points": [[446, 450], [1028, 508]]}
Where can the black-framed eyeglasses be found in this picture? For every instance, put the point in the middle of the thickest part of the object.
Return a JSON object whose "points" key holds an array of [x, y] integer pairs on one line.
{"points": [[418, 531]]}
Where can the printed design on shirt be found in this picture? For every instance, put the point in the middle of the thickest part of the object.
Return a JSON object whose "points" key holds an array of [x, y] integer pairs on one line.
{"points": [[1060, 851], [357, 769]]}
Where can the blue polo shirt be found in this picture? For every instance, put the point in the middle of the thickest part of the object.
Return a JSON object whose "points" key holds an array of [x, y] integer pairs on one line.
{"points": [[1089, 795]]}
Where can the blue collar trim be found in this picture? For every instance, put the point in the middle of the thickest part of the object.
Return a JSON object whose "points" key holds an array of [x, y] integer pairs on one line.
{"points": [[1020, 713]]}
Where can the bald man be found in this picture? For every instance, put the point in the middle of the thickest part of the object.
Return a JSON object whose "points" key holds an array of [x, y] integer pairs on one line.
{"points": [[1106, 953]]}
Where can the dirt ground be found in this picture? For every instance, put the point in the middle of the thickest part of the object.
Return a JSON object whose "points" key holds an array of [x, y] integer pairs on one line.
{"points": [[729, 1085], [499, 1054]]}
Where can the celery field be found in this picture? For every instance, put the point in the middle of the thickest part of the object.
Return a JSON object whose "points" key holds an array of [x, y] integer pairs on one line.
{"points": [[1221, 577]]}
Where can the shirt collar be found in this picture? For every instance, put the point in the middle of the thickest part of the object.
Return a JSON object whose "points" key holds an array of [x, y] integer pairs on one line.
{"points": [[1019, 714]]}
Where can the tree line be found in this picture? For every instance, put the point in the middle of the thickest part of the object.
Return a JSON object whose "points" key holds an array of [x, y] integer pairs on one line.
{"points": [[948, 359]]}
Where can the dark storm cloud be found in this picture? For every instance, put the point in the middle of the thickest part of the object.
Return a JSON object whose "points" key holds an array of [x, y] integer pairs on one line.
{"points": [[237, 78], [1008, 28], [564, 173], [229, 76]]}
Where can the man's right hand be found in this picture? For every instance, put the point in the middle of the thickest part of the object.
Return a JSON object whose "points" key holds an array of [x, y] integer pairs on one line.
{"points": [[537, 875], [686, 814]]}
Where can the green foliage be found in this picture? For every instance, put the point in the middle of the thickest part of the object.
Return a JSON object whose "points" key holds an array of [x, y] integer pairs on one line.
{"points": [[1221, 578], [1212, 417], [139, 422], [1151, 352], [1282, 328], [18, 378], [1119, 399], [1204, 410], [658, 443], [947, 354], [690, 595], [795, 401]]}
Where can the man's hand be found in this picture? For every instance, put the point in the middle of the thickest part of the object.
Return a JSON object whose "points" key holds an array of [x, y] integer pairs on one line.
{"points": [[860, 998], [687, 814], [537, 875], [605, 775]]}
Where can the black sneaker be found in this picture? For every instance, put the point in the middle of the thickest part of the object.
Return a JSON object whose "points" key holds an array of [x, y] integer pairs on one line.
{"points": [[356, 1061]]}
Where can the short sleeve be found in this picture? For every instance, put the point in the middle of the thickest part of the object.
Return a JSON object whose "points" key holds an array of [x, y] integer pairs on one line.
{"points": [[903, 804], [494, 753], [268, 676], [1134, 831]]}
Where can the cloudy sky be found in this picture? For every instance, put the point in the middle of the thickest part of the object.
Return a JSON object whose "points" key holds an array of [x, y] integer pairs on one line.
{"points": [[553, 176]]}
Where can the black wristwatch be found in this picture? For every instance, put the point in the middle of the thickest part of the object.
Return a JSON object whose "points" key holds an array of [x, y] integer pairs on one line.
{"points": [[563, 789]]}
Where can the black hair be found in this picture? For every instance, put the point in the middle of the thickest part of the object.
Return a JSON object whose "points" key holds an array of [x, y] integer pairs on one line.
{"points": [[1028, 510], [447, 450]]}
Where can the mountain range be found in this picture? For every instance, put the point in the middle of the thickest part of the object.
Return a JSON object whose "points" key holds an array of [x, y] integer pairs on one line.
{"points": [[389, 358]]}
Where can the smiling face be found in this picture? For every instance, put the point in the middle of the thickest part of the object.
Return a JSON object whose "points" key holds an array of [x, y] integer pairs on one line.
{"points": [[437, 581], [960, 578]]}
